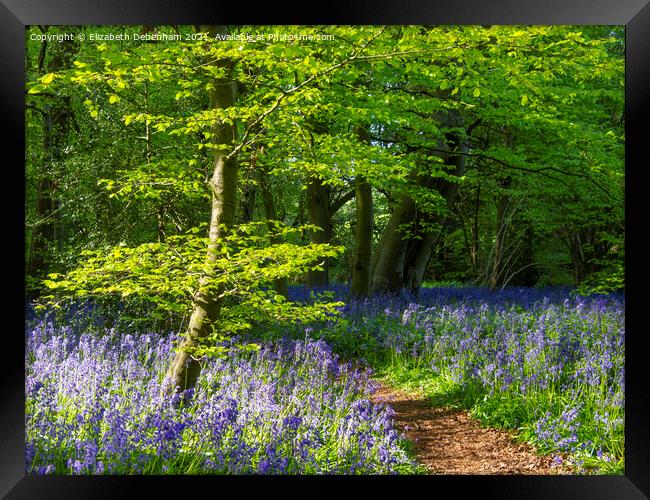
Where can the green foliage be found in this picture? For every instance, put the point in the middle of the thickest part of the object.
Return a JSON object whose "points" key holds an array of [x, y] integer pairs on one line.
{"points": [[425, 356], [442, 284], [541, 106], [168, 275], [611, 277], [118, 193]]}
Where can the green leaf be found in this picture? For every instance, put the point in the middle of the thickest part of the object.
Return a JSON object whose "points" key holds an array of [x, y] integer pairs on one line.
{"points": [[113, 99], [49, 78], [36, 89], [524, 100]]}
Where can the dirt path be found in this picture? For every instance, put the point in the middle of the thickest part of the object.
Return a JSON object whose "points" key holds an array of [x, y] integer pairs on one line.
{"points": [[449, 441]]}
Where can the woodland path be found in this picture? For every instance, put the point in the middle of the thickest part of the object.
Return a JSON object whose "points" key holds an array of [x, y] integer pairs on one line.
{"points": [[449, 441]]}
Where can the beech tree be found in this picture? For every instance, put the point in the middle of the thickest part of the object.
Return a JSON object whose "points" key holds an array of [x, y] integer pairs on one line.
{"points": [[212, 173], [223, 186]]}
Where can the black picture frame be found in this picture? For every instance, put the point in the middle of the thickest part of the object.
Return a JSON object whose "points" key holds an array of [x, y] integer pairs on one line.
{"points": [[15, 15]]}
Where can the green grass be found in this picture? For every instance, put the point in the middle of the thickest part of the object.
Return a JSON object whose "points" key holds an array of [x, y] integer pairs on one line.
{"points": [[500, 411], [568, 416]]}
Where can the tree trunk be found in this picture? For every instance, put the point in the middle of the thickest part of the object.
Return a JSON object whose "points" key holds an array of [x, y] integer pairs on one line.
{"points": [[525, 272], [185, 369], [319, 215], [281, 285], [363, 239], [581, 243], [388, 266], [416, 265], [499, 240], [401, 259], [362, 261], [498, 271]]}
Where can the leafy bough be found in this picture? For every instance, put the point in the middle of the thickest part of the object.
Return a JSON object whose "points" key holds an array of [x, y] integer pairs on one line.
{"points": [[167, 275]]}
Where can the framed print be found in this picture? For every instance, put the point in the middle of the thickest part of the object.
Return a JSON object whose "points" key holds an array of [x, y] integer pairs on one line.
{"points": [[375, 244]]}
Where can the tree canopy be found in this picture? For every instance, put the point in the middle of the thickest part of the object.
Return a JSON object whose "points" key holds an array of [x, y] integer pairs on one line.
{"points": [[384, 156]]}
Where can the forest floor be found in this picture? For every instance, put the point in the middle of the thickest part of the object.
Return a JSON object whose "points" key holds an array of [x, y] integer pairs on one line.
{"points": [[450, 441]]}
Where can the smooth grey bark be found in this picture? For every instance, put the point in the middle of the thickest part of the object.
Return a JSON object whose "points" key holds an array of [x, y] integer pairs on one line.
{"points": [[207, 303], [388, 263]]}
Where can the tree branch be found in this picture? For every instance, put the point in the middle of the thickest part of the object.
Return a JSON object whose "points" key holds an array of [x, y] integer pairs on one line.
{"points": [[336, 205], [540, 170]]}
